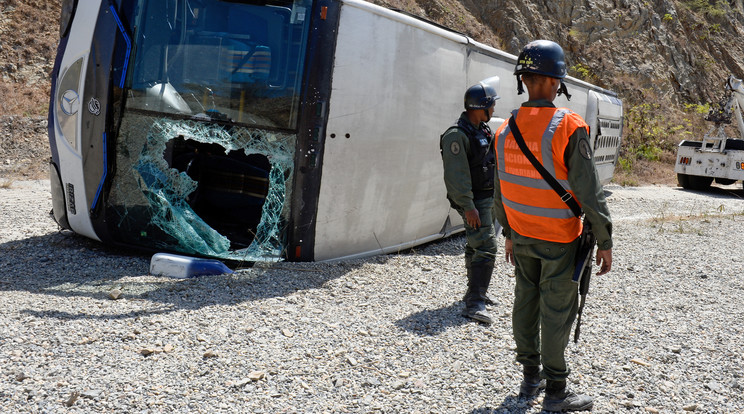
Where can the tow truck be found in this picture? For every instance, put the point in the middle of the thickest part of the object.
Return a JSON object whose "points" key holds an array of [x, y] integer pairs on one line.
{"points": [[717, 156]]}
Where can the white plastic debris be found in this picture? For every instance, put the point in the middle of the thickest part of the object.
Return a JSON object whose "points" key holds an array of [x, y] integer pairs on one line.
{"points": [[182, 267]]}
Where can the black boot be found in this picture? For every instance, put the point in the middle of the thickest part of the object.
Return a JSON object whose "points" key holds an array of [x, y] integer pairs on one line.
{"points": [[532, 384], [479, 276], [559, 399]]}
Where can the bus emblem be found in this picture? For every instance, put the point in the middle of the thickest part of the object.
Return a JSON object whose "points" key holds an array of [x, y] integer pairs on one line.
{"points": [[69, 102], [94, 106]]}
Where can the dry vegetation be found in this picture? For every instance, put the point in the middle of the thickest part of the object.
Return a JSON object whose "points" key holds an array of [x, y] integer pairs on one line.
{"points": [[28, 43]]}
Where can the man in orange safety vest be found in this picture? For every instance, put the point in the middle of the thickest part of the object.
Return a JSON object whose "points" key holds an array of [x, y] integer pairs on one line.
{"points": [[541, 230]]}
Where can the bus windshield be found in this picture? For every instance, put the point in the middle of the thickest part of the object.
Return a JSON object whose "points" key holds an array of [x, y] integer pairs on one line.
{"points": [[233, 61]]}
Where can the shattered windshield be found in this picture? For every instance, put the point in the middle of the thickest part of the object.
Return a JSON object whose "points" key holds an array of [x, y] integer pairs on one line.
{"points": [[201, 188], [235, 61]]}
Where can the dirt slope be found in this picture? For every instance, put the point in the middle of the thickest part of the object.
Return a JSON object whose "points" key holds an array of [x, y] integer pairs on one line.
{"points": [[28, 43]]}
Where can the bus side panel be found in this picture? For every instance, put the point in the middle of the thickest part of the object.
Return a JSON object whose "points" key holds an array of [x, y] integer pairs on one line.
{"points": [[482, 65], [396, 88]]}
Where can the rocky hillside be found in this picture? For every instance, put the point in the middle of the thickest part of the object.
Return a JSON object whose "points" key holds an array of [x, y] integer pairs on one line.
{"points": [[678, 51], [666, 58]]}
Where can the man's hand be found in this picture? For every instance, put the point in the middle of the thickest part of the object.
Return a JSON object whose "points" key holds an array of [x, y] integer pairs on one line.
{"points": [[509, 249], [473, 218], [605, 258]]}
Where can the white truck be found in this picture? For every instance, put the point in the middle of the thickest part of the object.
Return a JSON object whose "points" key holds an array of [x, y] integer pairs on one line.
{"points": [[717, 156]]}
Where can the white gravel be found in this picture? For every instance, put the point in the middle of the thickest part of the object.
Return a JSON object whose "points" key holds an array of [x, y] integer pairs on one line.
{"points": [[663, 332]]}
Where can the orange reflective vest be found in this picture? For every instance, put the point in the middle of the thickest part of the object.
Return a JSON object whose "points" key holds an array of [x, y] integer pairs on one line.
{"points": [[532, 207]]}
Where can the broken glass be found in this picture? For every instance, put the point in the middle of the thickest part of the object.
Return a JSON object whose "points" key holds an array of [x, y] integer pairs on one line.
{"points": [[176, 180]]}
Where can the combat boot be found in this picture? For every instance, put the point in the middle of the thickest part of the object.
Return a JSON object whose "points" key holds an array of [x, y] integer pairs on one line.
{"points": [[490, 300], [559, 399], [479, 276], [531, 384]]}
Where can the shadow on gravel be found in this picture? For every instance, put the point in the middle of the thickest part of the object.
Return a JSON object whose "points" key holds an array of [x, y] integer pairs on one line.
{"points": [[71, 266], [38, 262], [511, 405], [67, 265], [434, 322], [728, 192], [450, 246]]}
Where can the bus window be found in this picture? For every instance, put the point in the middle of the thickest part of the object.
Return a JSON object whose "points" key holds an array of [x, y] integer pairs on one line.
{"points": [[220, 60]]}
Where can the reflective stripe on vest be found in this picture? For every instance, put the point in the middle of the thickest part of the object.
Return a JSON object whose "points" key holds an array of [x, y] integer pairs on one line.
{"points": [[532, 207]]}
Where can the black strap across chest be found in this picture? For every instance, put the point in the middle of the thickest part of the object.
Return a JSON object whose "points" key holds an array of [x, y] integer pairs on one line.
{"points": [[566, 197]]}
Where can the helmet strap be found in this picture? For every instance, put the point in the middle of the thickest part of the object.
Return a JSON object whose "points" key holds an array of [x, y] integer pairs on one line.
{"points": [[520, 88], [563, 90]]}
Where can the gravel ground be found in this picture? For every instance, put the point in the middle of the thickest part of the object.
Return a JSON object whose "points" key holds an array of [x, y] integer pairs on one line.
{"points": [[662, 332]]}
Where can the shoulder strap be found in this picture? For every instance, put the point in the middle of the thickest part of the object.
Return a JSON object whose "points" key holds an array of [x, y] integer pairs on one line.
{"points": [[565, 195]]}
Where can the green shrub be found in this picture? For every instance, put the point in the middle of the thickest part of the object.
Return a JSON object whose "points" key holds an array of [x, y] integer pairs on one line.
{"points": [[712, 8], [582, 72]]}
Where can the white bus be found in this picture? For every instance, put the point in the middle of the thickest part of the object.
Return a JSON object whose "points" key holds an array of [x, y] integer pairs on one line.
{"points": [[292, 130]]}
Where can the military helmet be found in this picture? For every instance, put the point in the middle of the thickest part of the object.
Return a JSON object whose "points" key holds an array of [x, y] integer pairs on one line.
{"points": [[542, 57], [482, 95]]}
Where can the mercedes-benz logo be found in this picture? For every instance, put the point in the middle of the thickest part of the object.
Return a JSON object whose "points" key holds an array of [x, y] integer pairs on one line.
{"points": [[70, 102]]}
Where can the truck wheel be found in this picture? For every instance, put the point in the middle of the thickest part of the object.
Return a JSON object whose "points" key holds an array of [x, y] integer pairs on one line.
{"points": [[725, 181], [683, 180], [699, 183]]}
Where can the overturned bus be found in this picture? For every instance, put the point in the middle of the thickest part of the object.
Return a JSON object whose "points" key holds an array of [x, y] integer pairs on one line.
{"points": [[268, 130]]}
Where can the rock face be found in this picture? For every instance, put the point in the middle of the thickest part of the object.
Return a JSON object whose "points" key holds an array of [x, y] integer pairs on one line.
{"points": [[682, 51]]}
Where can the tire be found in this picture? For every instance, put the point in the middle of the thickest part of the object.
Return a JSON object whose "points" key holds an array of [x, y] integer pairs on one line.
{"points": [[699, 183], [725, 181], [683, 180]]}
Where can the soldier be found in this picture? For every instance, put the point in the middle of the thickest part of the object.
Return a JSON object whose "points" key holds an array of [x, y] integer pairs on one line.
{"points": [[467, 154], [541, 230]]}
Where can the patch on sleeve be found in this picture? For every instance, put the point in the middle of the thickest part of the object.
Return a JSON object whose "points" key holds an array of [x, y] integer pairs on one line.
{"points": [[455, 147], [585, 149]]}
